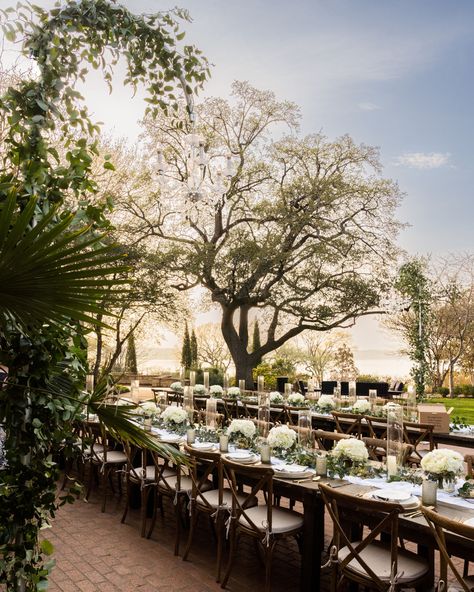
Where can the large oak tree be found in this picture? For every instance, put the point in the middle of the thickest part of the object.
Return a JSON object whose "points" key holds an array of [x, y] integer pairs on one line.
{"points": [[303, 236]]}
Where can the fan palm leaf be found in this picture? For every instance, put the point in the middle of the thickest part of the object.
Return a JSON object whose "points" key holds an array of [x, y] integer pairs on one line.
{"points": [[50, 273]]}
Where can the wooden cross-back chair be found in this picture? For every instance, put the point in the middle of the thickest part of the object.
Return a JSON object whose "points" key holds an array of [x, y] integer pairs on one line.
{"points": [[377, 449], [369, 562], [105, 459], [292, 414], [175, 484], [376, 426], [231, 408], [348, 423], [418, 434], [327, 440], [213, 502], [265, 523], [440, 526]]}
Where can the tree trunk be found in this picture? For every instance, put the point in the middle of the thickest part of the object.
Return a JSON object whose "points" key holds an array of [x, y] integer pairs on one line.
{"points": [[237, 344], [451, 379]]}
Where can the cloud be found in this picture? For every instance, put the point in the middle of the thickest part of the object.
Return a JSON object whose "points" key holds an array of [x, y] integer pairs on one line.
{"points": [[369, 106], [423, 160]]}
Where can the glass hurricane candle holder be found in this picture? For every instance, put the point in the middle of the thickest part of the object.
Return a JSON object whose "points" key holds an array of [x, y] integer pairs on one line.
{"points": [[305, 433], [89, 383], [288, 389], [263, 414], [394, 438], [206, 381], [225, 383], [211, 413], [188, 402], [373, 399], [242, 386], [192, 378], [260, 383]]}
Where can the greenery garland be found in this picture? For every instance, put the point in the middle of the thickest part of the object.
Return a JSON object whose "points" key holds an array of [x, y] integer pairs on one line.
{"points": [[45, 353]]}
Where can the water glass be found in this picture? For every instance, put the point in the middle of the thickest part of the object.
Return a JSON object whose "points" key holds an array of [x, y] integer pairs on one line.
{"points": [[429, 489], [321, 466], [211, 413], [224, 443]]}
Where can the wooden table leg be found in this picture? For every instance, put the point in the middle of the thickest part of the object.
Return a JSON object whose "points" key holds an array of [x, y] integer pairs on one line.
{"points": [[313, 543]]}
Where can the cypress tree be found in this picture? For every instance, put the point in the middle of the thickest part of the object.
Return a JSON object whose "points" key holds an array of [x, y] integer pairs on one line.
{"points": [[186, 357], [194, 350], [256, 337], [131, 357]]}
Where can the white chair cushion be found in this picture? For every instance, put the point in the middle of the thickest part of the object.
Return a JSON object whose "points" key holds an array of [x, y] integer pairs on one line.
{"points": [[378, 558], [186, 483], [212, 498], [149, 473], [456, 587], [97, 448], [283, 520], [114, 457]]}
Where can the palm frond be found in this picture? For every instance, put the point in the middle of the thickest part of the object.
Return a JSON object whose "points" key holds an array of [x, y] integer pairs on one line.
{"points": [[49, 273], [119, 421]]}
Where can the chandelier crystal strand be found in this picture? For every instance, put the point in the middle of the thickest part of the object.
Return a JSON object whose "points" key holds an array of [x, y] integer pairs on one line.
{"points": [[202, 184]]}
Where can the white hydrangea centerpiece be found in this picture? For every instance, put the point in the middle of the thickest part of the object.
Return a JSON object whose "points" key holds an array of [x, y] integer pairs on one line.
{"points": [[276, 398], [177, 387], [173, 415], [282, 437], [350, 449], [326, 403], [241, 428], [199, 389], [233, 392], [296, 400], [442, 463], [149, 409], [216, 391], [361, 406]]}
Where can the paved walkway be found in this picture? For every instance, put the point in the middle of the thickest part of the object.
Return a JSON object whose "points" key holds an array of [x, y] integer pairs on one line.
{"points": [[95, 552]]}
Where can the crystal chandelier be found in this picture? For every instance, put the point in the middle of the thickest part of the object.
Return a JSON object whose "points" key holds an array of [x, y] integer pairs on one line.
{"points": [[204, 179]]}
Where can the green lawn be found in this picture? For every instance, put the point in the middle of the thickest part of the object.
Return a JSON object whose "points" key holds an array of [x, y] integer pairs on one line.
{"points": [[462, 407]]}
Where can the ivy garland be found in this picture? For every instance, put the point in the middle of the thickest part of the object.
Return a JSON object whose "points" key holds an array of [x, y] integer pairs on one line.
{"points": [[46, 359]]}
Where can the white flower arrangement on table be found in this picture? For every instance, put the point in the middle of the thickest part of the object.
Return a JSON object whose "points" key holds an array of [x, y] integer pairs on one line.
{"points": [[326, 403], [199, 389], [282, 437], [148, 408], [233, 392], [242, 428], [442, 463], [276, 398], [216, 391], [351, 449], [177, 387], [348, 456], [296, 400], [361, 406], [173, 415]]}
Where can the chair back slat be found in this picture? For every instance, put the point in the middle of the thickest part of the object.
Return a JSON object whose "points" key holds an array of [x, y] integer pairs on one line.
{"points": [[326, 440], [439, 525], [381, 516], [348, 423]]}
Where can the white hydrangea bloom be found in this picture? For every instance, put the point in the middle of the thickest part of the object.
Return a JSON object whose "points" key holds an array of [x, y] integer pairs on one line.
{"points": [[216, 390], [173, 414], [233, 391], [149, 408], [296, 399], [351, 448], [276, 398], [326, 402], [361, 406], [442, 460], [282, 437], [199, 389], [245, 427], [177, 387]]}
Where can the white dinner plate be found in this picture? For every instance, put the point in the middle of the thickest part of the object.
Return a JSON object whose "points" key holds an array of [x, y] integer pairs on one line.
{"points": [[242, 456], [410, 504], [392, 495], [203, 445]]}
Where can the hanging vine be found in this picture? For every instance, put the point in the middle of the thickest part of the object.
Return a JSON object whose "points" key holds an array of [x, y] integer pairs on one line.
{"points": [[57, 263]]}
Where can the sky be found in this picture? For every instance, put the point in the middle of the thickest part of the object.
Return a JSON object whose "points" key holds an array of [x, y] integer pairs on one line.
{"points": [[397, 75]]}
